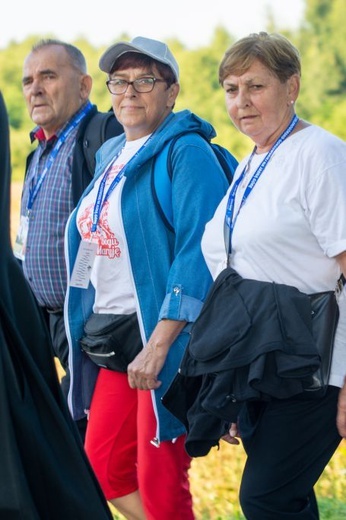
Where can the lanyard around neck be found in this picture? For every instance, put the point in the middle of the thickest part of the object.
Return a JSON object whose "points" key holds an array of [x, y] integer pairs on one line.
{"points": [[35, 187], [230, 218], [101, 196]]}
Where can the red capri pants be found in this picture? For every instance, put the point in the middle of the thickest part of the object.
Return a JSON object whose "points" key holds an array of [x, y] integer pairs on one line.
{"points": [[120, 427]]}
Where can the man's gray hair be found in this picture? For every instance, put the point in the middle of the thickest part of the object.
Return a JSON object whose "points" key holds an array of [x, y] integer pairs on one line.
{"points": [[78, 60]]}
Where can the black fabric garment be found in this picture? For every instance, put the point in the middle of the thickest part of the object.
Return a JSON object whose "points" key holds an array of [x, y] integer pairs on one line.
{"points": [[44, 472], [257, 345], [288, 444]]}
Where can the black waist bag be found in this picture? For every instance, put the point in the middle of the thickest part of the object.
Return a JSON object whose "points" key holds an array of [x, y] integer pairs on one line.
{"points": [[112, 340], [325, 317]]}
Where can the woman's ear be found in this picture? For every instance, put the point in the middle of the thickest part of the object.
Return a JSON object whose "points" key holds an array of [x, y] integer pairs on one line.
{"points": [[173, 94], [293, 87]]}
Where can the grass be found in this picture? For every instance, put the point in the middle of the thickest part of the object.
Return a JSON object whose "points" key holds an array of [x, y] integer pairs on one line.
{"points": [[215, 483], [215, 478]]}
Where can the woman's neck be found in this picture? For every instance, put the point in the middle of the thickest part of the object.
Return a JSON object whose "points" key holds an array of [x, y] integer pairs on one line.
{"points": [[265, 147]]}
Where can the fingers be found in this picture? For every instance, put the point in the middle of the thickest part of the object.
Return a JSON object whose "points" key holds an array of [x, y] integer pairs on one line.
{"points": [[341, 415], [233, 430], [143, 370], [140, 377], [142, 381], [230, 437], [341, 424]]}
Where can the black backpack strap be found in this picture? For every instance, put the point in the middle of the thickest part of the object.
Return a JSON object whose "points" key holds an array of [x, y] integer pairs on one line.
{"points": [[93, 131], [28, 161], [95, 135]]}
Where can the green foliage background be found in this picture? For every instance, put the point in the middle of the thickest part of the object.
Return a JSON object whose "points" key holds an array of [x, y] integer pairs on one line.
{"points": [[320, 38]]}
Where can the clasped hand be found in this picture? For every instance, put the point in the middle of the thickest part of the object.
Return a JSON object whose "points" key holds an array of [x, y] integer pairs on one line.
{"points": [[143, 370], [231, 436]]}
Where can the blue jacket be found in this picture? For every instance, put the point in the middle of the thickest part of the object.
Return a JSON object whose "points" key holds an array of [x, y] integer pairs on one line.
{"points": [[169, 273]]}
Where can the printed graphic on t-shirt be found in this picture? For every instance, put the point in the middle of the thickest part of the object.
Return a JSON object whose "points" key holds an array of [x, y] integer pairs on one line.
{"points": [[108, 244]]}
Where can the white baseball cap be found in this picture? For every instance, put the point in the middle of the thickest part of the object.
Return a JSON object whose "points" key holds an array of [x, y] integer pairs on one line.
{"points": [[155, 49]]}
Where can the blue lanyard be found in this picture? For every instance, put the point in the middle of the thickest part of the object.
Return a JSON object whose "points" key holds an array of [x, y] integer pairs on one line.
{"points": [[230, 221], [35, 187], [100, 197]]}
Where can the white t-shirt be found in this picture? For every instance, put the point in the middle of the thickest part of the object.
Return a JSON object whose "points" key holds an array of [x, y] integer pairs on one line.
{"points": [[111, 273], [292, 223]]}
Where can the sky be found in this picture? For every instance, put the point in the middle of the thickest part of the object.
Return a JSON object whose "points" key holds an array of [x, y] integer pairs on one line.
{"points": [[102, 22]]}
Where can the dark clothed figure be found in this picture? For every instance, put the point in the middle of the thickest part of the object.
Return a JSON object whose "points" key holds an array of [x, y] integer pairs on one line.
{"points": [[44, 472]]}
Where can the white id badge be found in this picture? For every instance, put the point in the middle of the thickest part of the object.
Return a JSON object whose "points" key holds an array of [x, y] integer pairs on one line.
{"points": [[82, 268], [21, 238]]}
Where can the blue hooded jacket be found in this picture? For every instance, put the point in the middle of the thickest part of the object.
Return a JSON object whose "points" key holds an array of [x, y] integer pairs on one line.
{"points": [[169, 274]]}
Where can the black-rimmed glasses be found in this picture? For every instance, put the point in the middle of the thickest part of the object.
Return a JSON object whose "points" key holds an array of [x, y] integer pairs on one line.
{"points": [[140, 85]]}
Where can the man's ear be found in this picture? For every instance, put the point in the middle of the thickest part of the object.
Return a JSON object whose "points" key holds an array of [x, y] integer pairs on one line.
{"points": [[85, 86]]}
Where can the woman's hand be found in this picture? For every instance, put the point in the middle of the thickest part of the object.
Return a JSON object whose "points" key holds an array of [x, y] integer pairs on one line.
{"points": [[144, 369], [230, 437], [341, 414]]}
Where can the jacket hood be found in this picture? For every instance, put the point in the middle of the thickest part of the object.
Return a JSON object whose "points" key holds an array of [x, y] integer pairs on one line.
{"points": [[182, 122]]}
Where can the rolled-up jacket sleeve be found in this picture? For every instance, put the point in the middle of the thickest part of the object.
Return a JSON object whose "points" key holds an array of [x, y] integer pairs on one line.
{"points": [[181, 307], [198, 185]]}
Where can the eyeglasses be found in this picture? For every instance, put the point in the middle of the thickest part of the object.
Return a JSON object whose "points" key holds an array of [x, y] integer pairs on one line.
{"points": [[140, 85]]}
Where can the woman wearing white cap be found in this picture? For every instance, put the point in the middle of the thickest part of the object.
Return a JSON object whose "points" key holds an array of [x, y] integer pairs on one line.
{"points": [[141, 270]]}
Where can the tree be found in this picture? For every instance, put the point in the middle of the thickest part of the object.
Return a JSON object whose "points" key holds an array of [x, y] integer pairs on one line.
{"points": [[322, 45], [320, 41]]}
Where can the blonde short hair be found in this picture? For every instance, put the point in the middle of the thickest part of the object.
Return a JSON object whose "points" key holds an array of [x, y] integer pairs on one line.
{"points": [[274, 51]]}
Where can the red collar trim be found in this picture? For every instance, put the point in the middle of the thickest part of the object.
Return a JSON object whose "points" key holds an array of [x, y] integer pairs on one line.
{"points": [[39, 135]]}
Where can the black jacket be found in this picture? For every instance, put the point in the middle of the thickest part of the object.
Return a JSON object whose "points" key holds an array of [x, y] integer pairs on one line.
{"points": [[252, 341]]}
